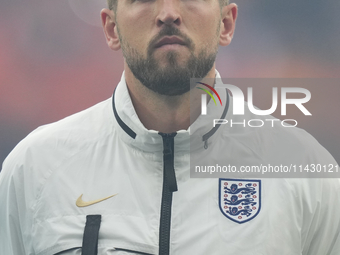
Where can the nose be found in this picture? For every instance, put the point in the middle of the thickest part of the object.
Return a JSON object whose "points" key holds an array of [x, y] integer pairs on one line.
{"points": [[169, 12]]}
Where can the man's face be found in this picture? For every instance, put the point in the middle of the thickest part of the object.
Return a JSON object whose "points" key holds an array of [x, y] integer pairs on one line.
{"points": [[167, 42]]}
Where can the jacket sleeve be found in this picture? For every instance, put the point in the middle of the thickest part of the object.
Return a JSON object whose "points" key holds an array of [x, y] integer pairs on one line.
{"points": [[323, 233], [15, 214], [11, 242]]}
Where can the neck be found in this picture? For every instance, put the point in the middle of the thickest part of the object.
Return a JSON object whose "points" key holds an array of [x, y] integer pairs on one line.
{"points": [[165, 114]]}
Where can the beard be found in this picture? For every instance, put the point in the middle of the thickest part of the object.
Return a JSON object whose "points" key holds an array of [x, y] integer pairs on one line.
{"points": [[174, 79]]}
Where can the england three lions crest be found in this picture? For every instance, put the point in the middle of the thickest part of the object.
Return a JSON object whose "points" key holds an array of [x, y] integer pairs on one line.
{"points": [[240, 200]]}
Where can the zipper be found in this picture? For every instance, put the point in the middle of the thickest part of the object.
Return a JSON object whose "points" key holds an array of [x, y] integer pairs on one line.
{"points": [[169, 186], [91, 234]]}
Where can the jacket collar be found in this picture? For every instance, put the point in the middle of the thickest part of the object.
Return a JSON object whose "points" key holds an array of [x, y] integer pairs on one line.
{"points": [[130, 129]]}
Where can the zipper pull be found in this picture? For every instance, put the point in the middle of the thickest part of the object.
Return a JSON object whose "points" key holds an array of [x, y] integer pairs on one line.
{"points": [[167, 143]]}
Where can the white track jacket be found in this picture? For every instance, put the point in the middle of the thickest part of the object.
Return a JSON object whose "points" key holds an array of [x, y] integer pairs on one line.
{"points": [[57, 187]]}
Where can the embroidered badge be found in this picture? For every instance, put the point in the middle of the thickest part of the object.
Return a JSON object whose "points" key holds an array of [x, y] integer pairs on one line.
{"points": [[240, 200]]}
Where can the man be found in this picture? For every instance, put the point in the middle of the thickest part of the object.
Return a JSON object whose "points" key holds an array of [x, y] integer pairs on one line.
{"points": [[114, 179]]}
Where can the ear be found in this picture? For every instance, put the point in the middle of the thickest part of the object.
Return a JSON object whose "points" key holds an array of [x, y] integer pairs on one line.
{"points": [[110, 29], [229, 15]]}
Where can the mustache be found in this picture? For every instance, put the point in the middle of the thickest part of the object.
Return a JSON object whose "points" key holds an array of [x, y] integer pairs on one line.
{"points": [[170, 31]]}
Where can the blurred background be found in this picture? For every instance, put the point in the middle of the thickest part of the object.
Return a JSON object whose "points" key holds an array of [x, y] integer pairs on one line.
{"points": [[54, 60]]}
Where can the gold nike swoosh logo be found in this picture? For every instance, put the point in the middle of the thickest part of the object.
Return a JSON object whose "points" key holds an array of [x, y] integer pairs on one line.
{"points": [[81, 203]]}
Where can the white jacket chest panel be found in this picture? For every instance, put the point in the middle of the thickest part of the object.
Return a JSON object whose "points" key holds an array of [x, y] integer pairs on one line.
{"points": [[199, 227], [130, 219]]}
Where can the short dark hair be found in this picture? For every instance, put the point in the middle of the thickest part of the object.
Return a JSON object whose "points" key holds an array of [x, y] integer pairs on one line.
{"points": [[112, 4]]}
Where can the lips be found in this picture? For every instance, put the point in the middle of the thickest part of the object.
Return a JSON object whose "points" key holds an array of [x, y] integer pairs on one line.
{"points": [[169, 40]]}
